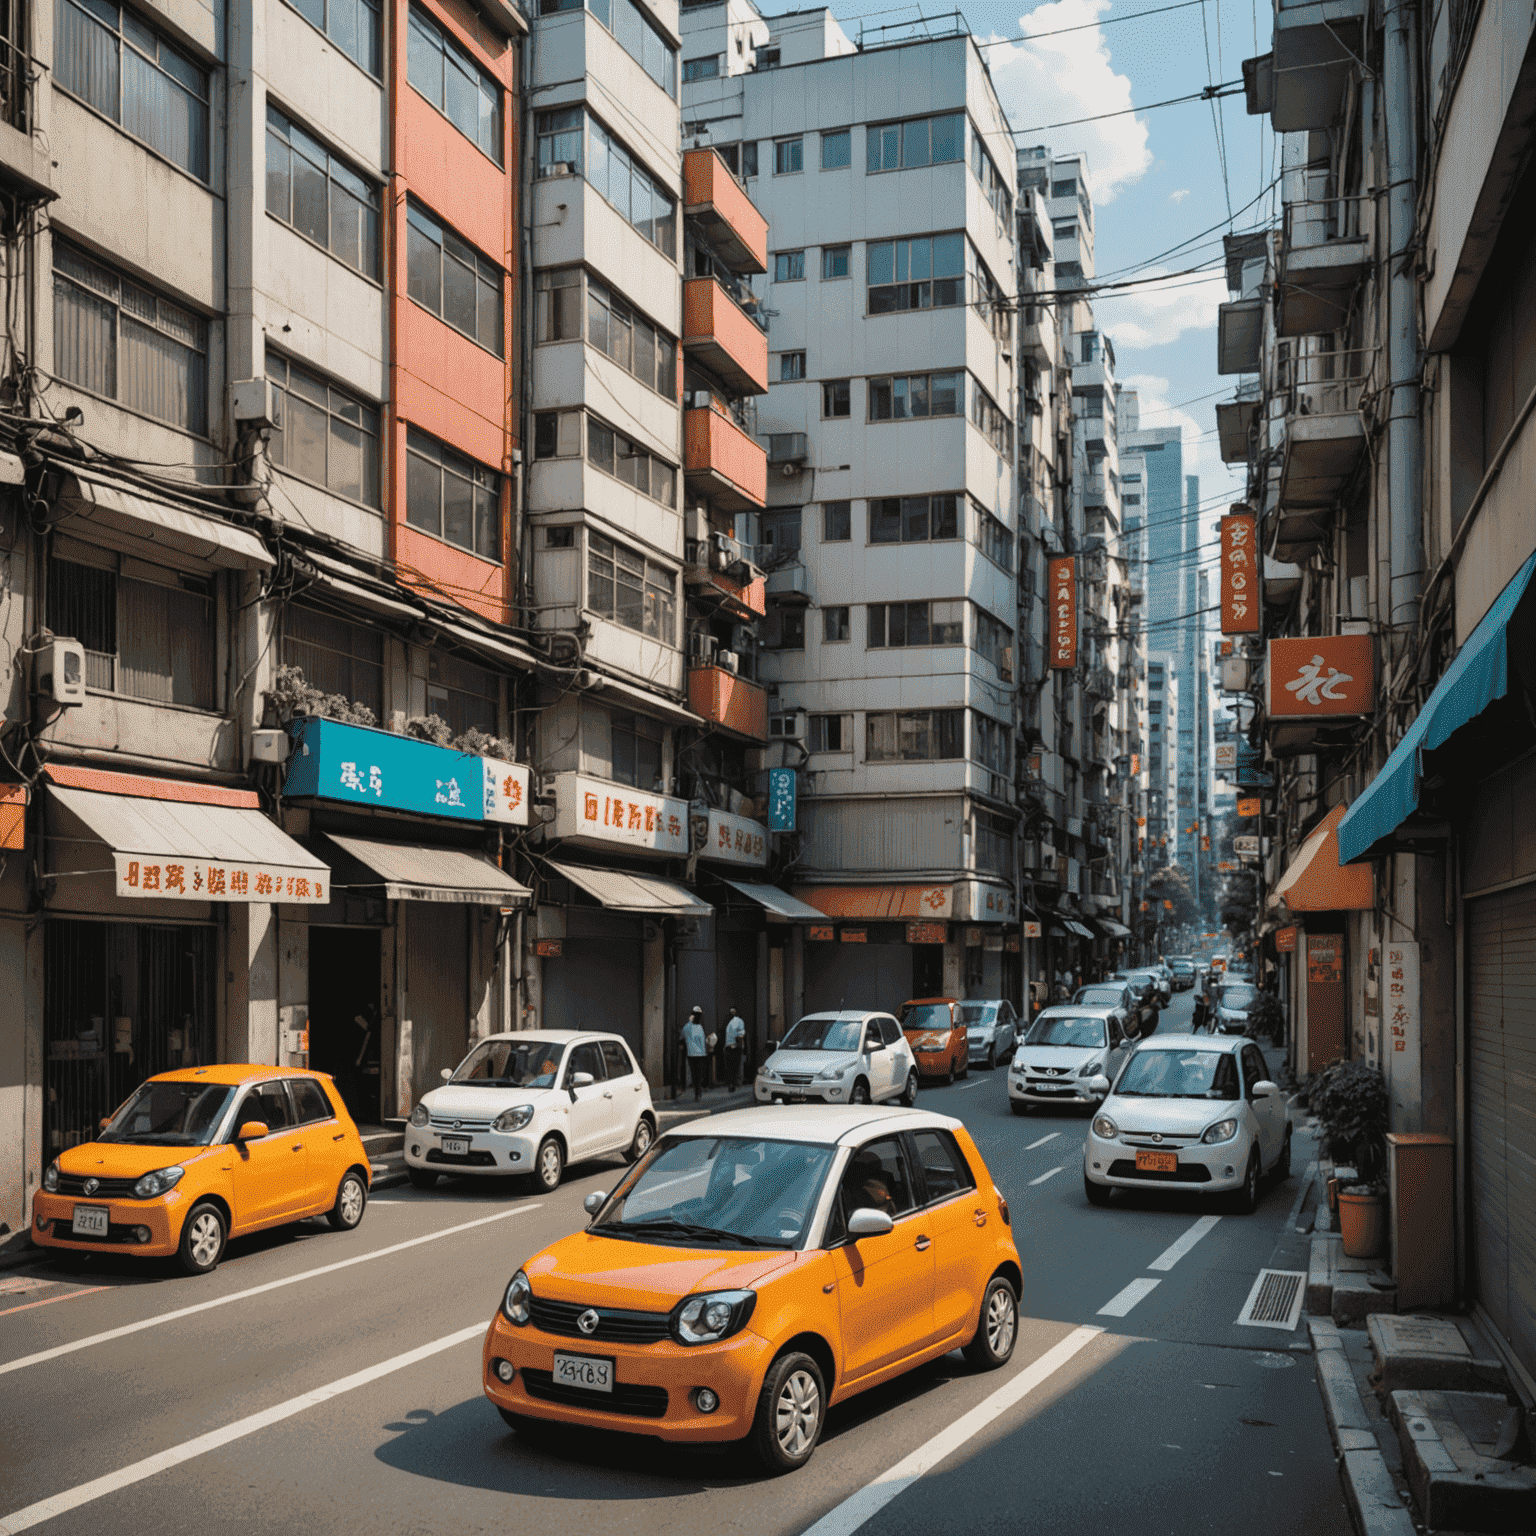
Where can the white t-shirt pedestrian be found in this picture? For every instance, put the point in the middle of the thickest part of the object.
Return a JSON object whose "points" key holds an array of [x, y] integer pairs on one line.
{"points": [[693, 1038], [735, 1031]]}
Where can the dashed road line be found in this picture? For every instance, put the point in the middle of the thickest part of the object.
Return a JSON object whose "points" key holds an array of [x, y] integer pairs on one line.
{"points": [[48, 1301], [1052, 1137], [1049, 1174], [1176, 1251], [1121, 1304]]}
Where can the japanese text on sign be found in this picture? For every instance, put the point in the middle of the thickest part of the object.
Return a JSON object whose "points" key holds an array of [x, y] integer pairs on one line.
{"points": [[1239, 575], [173, 879], [1062, 607], [781, 799], [1400, 988]]}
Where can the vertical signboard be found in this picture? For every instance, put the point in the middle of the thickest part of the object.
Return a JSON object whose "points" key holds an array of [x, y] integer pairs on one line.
{"points": [[781, 799], [1063, 612], [1239, 575]]}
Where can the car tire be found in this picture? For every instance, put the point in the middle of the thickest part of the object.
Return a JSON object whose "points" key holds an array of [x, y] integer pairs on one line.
{"points": [[644, 1135], [1018, 1106], [421, 1178], [1246, 1200], [532, 1430], [204, 1235], [791, 1410], [1282, 1168], [992, 1057], [965, 1071], [949, 1076], [549, 1165], [859, 1093], [351, 1202], [1098, 1194], [909, 1093], [997, 1327]]}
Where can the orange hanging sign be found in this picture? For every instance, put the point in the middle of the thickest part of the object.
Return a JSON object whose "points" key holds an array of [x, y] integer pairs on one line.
{"points": [[1063, 612], [1320, 677], [1239, 574]]}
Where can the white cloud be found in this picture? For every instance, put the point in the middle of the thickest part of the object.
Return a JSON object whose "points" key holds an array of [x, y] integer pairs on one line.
{"points": [[1069, 76], [1179, 196], [1156, 313]]}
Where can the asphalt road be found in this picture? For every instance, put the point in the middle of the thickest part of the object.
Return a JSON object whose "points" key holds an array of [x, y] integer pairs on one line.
{"points": [[329, 1383]]}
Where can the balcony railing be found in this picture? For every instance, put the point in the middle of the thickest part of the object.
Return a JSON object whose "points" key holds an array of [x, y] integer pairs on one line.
{"points": [[724, 337], [723, 462], [729, 701], [711, 195], [1325, 254]]}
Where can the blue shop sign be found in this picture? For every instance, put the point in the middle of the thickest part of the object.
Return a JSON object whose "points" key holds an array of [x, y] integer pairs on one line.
{"points": [[781, 799], [333, 761]]}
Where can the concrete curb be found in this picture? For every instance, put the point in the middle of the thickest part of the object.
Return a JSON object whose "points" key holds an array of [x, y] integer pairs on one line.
{"points": [[1374, 1503]]}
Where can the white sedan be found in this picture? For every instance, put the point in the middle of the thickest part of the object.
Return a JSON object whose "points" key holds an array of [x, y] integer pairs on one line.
{"points": [[840, 1058], [529, 1104], [1067, 1056], [1189, 1112]]}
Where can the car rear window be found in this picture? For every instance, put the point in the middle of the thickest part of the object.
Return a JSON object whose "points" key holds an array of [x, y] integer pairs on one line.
{"points": [[309, 1101], [617, 1058]]}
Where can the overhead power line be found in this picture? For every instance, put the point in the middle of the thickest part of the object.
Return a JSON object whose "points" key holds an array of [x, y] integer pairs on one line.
{"points": [[1210, 93]]}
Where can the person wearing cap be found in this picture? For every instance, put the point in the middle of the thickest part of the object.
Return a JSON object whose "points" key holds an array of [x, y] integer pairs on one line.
{"points": [[735, 1037], [697, 1048]]}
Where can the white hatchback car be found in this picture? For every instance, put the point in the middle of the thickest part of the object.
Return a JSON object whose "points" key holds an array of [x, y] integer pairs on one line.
{"points": [[1069, 1049], [1189, 1112], [529, 1104], [851, 1057]]}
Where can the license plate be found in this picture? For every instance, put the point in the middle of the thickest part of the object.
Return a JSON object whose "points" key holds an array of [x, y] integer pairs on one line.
{"points": [[588, 1372], [456, 1146], [1048, 1087], [90, 1221], [1158, 1162]]}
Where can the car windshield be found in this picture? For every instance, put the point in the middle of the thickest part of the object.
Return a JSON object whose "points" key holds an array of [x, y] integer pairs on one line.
{"points": [[1179, 1075], [1064, 1030], [720, 1192], [978, 1013], [824, 1034], [927, 1016], [511, 1064], [171, 1115], [1103, 997], [1237, 998]]}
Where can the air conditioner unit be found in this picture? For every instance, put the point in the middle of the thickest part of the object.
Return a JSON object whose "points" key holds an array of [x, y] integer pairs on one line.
{"points": [[728, 660], [696, 525], [724, 551], [702, 648], [558, 168], [256, 404], [789, 726], [789, 450], [61, 672]]}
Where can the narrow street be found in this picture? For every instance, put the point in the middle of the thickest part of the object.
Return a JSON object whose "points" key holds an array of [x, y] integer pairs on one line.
{"points": [[329, 1382]]}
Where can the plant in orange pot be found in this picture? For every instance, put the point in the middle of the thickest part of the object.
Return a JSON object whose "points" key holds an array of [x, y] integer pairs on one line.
{"points": [[1350, 1102]]}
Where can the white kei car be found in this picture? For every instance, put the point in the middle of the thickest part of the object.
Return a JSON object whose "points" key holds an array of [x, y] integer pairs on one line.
{"points": [[853, 1057], [1069, 1049], [1189, 1112], [529, 1104]]}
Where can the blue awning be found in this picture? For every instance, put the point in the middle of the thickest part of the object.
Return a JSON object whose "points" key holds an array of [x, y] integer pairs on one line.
{"points": [[1477, 678]]}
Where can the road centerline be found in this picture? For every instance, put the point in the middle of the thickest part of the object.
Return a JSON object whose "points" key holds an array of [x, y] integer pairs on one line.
{"points": [[1138, 1290], [1176, 1251], [1050, 1173], [1052, 1137]]}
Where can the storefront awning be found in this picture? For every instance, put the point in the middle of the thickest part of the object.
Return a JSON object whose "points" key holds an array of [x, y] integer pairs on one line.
{"points": [[620, 891], [145, 526], [779, 905], [1476, 679], [1315, 881], [413, 872], [1069, 927], [879, 903], [1116, 930]]}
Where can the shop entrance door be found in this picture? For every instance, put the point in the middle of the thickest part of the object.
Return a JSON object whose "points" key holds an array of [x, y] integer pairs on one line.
{"points": [[344, 1014], [927, 970]]}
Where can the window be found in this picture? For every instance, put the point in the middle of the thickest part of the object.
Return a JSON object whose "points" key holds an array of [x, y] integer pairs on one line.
{"points": [[326, 436], [992, 839], [908, 624], [989, 742], [614, 173], [1064, 229], [148, 631], [335, 656], [834, 262], [631, 340], [835, 397], [309, 1101], [791, 366], [557, 305], [463, 695], [353, 25], [749, 156], [617, 455], [789, 267], [996, 541], [945, 1172], [115, 63], [993, 187], [1067, 188], [784, 629], [923, 735], [831, 733], [322, 197], [994, 640], [636, 744], [781, 534], [444, 73], [990, 421], [563, 537], [452, 280], [836, 522], [635, 33], [909, 396], [788, 157], [557, 435], [701, 69], [624, 586], [834, 623], [836, 149], [559, 142], [992, 304], [122, 342], [913, 519], [617, 1059], [451, 497], [922, 141], [923, 273]]}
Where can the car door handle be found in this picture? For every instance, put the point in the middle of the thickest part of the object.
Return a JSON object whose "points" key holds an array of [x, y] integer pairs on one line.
{"points": [[339, 1136], [298, 1148], [607, 1094], [923, 1243]]}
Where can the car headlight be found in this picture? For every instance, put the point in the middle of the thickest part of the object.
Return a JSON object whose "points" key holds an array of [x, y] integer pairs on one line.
{"points": [[1223, 1130], [768, 1075], [933, 1042], [831, 1074], [513, 1119], [1092, 1069], [517, 1304], [419, 1116], [157, 1183], [1105, 1128], [711, 1316], [51, 1178], [1018, 1064]]}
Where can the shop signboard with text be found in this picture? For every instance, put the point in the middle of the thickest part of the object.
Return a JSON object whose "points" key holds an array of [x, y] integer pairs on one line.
{"points": [[1239, 576], [508, 788], [736, 840], [597, 812], [173, 879], [1062, 610], [1320, 677]]}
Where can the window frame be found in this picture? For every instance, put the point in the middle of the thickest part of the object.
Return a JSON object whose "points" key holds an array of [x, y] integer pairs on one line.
{"points": [[374, 204], [845, 512], [791, 148], [422, 224], [905, 513], [892, 389], [453, 52], [353, 658], [791, 264], [334, 393], [791, 368], [830, 136], [875, 143], [374, 69], [908, 290], [828, 253], [844, 730], [657, 598], [595, 425], [829, 621], [938, 723], [908, 608], [829, 389], [481, 477]]}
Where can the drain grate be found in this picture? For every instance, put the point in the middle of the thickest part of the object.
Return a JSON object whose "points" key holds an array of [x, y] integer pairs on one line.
{"points": [[1275, 1300]]}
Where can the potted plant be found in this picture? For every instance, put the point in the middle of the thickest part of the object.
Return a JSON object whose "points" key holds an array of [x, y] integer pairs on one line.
{"points": [[1349, 1099]]}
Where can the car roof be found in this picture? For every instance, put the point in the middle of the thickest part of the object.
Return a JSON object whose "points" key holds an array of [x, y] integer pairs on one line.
{"points": [[1230, 1044], [1075, 1009], [551, 1036], [844, 1013], [230, 1074], [825, 1126], [920, 1002]]}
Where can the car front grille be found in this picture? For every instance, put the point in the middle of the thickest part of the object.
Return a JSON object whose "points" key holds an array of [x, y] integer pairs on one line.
{"points": [[614, 1326], [1050, 1071], [106, 1189], [636, 1401], [799, 1079], [438, 1157], [451, 1123], [1187, 1173]]}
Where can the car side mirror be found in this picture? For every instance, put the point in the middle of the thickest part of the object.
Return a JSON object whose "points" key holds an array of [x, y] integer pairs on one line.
{"points": [[869, 1223], [595, 1201], [1264, 1088], [446, 1073], [106, 1120], [1099, 1084], [252, 1130], [580, 1080]]}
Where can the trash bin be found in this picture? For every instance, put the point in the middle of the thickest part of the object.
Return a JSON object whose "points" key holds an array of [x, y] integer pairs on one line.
{"points": [[1421, 1189]]}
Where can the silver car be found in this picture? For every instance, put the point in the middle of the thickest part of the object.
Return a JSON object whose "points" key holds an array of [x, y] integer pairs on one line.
{"points": [[852, 1057], [991, 1030], [1069, 1056]]}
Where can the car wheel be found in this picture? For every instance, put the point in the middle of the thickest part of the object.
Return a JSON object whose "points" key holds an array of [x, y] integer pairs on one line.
{"points": [[965, 1071], [1246, 1201], [203, 1236], [1098, 1194], [1282, 1168], [992, 1057], [421, 1178], [790, 1412], [909, 1093], [529, 1429], [549, 1165], [644, 1136], [859, 1093], [1018, 1106], [351, 1202], [998, 1328], [949, 1075]]}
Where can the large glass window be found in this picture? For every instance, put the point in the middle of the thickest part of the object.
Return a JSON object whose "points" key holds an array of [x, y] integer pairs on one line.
{"points": [[443, 72], [994, 640], [119, 340], [615, 454], [638, 37], [635, 743], [992, 184], [921, 141], [909, 396], [449, 277], [836, 149], [701, 69], [908, 624], [113, 62], [624, 586], [610, 170], [336, 656], [630, 339], [989, 742], [991, 420], [913, 519], [788, 157], [320, 196], [353, 25], [836, 522], [452, 497], [995, 539], [464, 695], [927, 272], [923, 735], [326, 435]]}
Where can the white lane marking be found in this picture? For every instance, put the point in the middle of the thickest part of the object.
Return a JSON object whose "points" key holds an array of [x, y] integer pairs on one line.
{"points": [[860, 1507], [99, 1487], [976, 1084], [1171, 1255], [1137, 1290], [1052, 1137], [1301, 1193], [1051, 1174], [255, 1290]]}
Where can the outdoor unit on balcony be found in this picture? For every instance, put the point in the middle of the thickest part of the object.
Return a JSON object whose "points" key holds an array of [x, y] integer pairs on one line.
{"points": [[728, 661], [701, 648], [789, 726], [788, 451], [724, 551]]}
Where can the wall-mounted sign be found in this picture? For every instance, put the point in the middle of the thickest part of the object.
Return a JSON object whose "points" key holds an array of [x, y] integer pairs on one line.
{"points": [[1032, 930], [735, 840], [1325, 963], [172, 879], [508, 789], [361, 766], [1062, 609], [973, 938], [855, 936], [1320, 677], [781, 799], [1285, 941], [1245, 845], [1250, 805], [1401, 984], [820, 933], [549, 949], [1239, 575], [927, 933], [1226, 754], [595, 811]]}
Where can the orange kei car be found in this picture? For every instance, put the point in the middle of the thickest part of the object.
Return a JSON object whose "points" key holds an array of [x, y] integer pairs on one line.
{"points": [[938, 1037], [752, 1270], [198, 1156]]}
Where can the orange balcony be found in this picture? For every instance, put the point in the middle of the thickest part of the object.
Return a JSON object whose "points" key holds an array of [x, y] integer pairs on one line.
{"points": [[719, 333], [745, 600], [721, 462], [736, 230], [729, 701]]}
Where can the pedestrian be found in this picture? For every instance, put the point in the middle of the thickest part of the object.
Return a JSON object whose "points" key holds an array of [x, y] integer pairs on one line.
{"points": [[1202, 1010], [697, 1048], [735, 1037]]}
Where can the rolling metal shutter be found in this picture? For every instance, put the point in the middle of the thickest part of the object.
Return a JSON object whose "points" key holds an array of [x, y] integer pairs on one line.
{"points": [[1501, 1089]]}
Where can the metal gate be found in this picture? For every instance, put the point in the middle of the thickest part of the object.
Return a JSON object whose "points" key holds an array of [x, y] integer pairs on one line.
{"points": [[121, 1001]]}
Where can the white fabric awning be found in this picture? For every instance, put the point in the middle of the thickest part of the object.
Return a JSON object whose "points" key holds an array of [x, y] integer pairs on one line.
{"points": [[621, 891], [414, 872], [778, 904], [340, 579], [146, 527]]}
